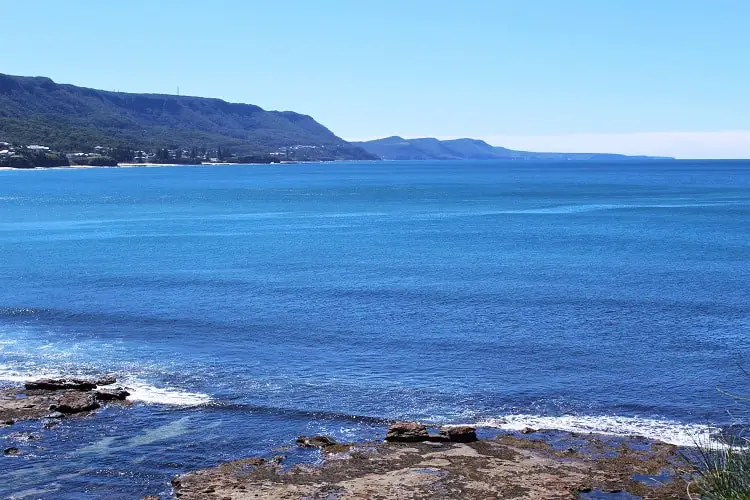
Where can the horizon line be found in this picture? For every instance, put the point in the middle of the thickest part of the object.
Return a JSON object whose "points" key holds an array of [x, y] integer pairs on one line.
{"points": [[693, 145]]}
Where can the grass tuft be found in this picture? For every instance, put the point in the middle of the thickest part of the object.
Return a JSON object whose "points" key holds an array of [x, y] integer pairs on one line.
{"points": [[722, 470]]}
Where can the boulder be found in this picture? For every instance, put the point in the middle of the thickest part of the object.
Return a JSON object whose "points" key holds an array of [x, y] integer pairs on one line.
{"points": [[459, 433], [106, 380], [114, 394], [527, 430], [75, 402], [59, 384], [315, 441], [407, 432]]}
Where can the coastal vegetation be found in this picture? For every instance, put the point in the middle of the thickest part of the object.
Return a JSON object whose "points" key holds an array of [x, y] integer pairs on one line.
{"points": [[35, 156], [722, 467], [722, 471], [24, 158], [69, 118]]}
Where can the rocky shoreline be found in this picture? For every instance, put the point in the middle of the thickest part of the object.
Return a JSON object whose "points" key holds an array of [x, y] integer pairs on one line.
{"points": [[55, 399], [413, 461]]}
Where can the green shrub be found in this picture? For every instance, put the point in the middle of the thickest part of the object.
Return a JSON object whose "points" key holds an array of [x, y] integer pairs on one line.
{"points": [[722, 470]]}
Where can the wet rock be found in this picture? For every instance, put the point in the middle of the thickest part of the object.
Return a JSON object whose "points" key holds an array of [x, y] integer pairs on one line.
{"points": [[152, 497], [251, 462], [315, 441], [54, 399], [12, 451], [59, 384], [459, 433], [15, 405], [106, 380], [407, 432], [335, 449], [504, 467], [75, 402], [114, 394], [24, 436], [528, 430]]}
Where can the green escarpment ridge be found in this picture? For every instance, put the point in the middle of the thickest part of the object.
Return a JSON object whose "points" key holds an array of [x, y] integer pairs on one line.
{"points": [[36, 110], [398, 148]]}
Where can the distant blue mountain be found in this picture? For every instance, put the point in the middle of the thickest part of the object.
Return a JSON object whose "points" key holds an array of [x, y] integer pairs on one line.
{"points": [[398, 148]]}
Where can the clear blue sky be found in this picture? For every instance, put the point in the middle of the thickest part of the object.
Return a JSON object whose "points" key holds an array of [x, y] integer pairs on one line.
{"points": [[650, 76]]}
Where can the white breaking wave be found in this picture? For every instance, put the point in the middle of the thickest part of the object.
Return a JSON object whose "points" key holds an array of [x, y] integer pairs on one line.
{"points": [[139, 391], [146, 393], [671, 432], [10, 375]]}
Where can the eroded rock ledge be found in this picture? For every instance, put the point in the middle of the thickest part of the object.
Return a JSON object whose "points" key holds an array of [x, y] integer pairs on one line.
{"points": [[417, 465], [56, 398]]}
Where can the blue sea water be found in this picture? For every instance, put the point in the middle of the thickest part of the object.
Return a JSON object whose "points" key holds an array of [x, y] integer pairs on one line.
{"points": [[245, 305]]}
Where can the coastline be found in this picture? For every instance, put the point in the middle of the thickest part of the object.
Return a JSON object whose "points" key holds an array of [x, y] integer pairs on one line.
{"points": [[154, 165], [431, 293], [541, 464], [413, 461]]}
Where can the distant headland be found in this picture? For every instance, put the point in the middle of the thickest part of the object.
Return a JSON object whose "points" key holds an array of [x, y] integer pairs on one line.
{"points": [[398, 148], [44, 124], [81, 123]]}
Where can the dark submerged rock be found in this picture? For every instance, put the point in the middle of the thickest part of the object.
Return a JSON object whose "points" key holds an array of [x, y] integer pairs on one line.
{"points": [[75, 402], [407, 432], [528, 430], [12, 451], [459, 433], [24, 436], [59, 384], [315, 441], [114, 394]]}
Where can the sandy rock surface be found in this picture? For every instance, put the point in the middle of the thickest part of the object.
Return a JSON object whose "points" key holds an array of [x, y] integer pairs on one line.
{"points": [[503, 467]]}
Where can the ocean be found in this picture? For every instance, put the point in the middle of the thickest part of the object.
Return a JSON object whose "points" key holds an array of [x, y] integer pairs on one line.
{"points": [[246, 305]]}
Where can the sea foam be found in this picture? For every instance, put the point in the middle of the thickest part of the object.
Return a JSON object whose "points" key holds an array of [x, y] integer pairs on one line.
{"points": [[139, 390], [667, 431], [8, 374], [146, 393]]}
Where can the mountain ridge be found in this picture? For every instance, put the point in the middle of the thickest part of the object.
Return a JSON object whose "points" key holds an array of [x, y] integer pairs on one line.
{"points": [[37, 110], [430, 148]]}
